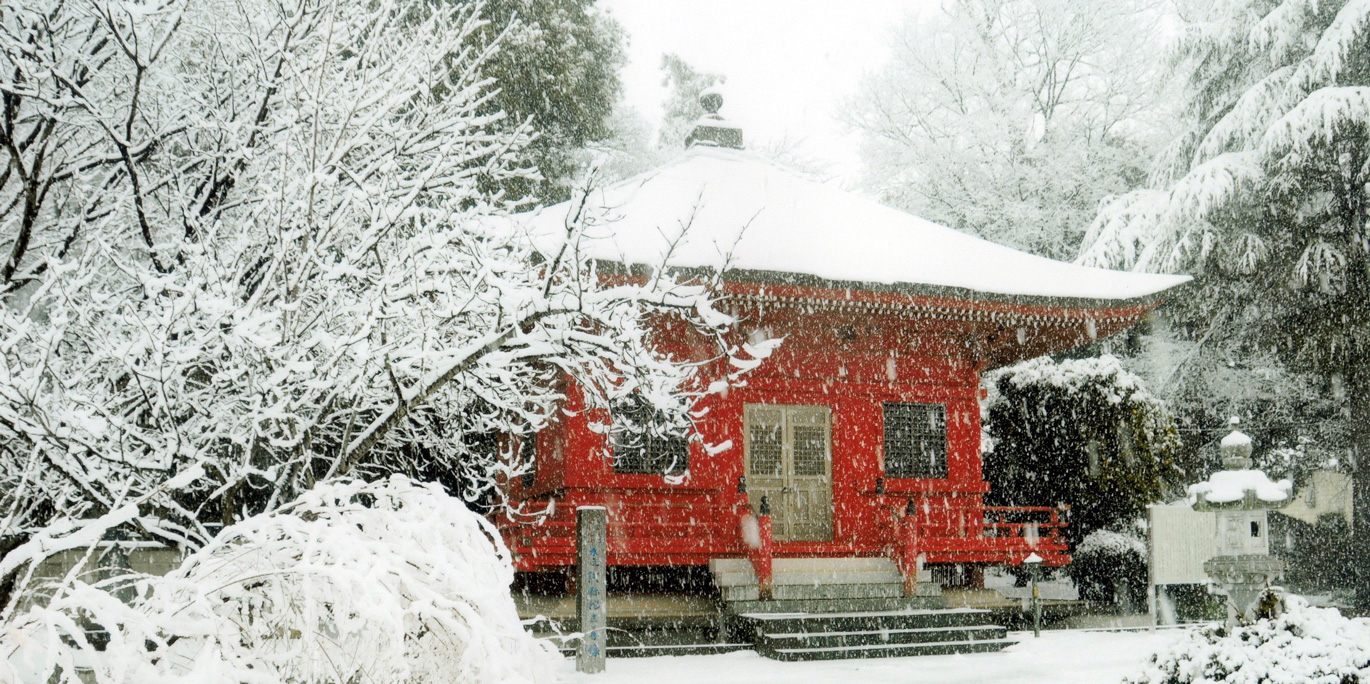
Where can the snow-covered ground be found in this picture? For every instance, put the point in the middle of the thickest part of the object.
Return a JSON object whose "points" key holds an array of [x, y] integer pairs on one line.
{"points": [[1058, 657]]}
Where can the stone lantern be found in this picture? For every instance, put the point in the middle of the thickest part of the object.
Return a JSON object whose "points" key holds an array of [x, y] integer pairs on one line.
{"points": [[1241, 498]]}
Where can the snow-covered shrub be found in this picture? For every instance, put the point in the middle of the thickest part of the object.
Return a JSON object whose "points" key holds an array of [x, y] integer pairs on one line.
{"points": [[1306, 644], [1107, 562], [353, 582], [1081, 432]]}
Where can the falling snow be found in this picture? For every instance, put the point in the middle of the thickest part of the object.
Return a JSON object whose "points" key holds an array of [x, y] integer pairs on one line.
{"points": [[319, 321]]}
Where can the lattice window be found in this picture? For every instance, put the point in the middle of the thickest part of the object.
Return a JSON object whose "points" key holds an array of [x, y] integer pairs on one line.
{"points": [[768, 449], [639, 449], [810, 450], [915, 440]]}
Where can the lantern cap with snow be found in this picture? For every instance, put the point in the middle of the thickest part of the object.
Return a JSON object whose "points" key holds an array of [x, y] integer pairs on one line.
{"points": [[1239, 486]]}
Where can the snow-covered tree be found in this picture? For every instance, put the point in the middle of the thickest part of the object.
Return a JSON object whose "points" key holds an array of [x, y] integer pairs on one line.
{"points": [[1268, 188], [1081, 432], [256, 250], [1011, 119]]}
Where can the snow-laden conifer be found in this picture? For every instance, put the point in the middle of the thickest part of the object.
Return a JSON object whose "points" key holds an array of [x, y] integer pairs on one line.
{"points": [[1267, 195]]}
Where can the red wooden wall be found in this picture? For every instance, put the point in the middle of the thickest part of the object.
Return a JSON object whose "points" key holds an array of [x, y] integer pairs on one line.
{"points": [[849, 361]]}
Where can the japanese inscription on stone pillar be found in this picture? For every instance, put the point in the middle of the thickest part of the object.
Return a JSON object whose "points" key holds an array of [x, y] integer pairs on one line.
{"points": [[591, 604]]}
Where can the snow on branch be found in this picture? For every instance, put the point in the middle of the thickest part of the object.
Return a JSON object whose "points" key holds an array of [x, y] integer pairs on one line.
{"points": [[1344, 37], [268, 241], [1278, 32], [1242, 126], [1212, 184], [1319, 121], [1277, 113], [1123, 229]]}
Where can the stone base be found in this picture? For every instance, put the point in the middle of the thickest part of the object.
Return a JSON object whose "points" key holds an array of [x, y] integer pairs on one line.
{"points": [[1242, 579]]}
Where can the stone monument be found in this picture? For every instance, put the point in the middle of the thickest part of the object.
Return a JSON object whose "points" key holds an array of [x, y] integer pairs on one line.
{"points": [[1241, 498]]}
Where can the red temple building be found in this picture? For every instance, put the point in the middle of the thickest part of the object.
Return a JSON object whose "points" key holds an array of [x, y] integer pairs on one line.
{"points": [[861, 432]]}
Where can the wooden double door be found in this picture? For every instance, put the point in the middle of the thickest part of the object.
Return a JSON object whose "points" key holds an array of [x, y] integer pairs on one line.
{"points": [[788, 459]]}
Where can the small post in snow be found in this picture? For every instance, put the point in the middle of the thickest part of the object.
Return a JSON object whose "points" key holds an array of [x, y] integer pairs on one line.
{"points": [[591, 600], [1034, 563]]}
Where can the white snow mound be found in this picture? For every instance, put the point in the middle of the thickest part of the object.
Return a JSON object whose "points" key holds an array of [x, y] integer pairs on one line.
{"points": [[354, 582]]}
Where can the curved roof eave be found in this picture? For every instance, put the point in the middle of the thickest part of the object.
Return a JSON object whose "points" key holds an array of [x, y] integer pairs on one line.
{"points": [[911, 290]]}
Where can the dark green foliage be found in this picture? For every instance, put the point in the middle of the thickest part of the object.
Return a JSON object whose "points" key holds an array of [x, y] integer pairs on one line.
{"points": [[1082, 433], [557, 68], [1319, 555], [1195, 603], [1105, 575]]}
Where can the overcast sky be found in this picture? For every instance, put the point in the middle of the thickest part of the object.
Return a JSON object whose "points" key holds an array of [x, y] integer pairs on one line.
{"points": [[790, 63]]}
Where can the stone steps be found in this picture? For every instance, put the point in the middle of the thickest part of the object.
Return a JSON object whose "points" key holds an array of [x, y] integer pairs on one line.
{"points": [[835, 605], [739, 579], [835, 608], [899, 651], [880, 637], [864, 621], [874, 634], [814, 591]]}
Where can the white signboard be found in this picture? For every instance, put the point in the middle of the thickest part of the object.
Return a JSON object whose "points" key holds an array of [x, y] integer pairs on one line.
{"points": [[1181, 540]]}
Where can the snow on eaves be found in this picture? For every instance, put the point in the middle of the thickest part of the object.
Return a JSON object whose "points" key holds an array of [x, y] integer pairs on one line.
{"points": [[1231, 486], [717, 206]]}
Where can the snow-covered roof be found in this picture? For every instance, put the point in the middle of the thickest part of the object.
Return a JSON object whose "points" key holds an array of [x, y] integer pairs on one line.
{"points": [[769, 220]]}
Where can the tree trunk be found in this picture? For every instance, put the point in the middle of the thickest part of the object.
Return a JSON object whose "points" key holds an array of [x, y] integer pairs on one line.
{"points": [[8, 583], [1358, 398], [1357, 386]]}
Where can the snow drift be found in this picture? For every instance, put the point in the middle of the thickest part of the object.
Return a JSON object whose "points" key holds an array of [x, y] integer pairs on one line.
{"points": [[1305, 644], [380, 582]]}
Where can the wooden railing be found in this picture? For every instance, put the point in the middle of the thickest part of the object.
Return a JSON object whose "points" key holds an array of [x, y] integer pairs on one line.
{"points": [[1032, 523], [1004, 534]]}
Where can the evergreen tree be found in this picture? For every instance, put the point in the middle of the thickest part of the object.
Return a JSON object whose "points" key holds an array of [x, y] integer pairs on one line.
{"points": [[1265, 195], [557, 70], [1084, 433]]}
